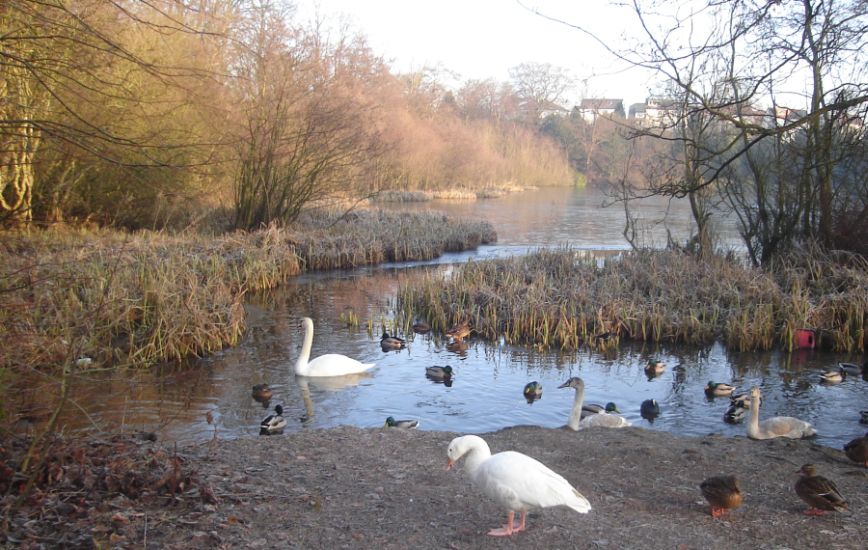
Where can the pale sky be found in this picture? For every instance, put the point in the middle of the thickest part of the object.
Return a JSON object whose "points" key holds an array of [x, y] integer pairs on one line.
{"points": [[481, 39]]}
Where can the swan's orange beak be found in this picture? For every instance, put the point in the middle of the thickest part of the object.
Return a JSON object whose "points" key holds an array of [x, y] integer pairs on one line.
{"points": [[449, 464]]}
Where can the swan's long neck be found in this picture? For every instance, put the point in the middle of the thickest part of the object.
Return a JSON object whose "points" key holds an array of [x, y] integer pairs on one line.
{"points": [[478, 453], [753, 421], [576, 413], [303, 357]]}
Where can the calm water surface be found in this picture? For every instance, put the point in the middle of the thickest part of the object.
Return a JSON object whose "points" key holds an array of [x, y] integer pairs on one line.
{"points": [[486, 393]]}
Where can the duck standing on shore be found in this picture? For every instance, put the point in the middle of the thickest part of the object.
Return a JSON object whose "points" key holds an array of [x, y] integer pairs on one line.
{"points": [[820, 493], [513, 480], [722, 493]]}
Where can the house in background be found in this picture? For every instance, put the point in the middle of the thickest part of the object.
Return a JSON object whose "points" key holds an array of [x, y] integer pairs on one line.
{"points": [[637, 113], [591, 108]]}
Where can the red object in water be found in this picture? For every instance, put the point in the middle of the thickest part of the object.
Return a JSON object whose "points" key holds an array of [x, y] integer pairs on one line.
{"points": [[805, 339]]}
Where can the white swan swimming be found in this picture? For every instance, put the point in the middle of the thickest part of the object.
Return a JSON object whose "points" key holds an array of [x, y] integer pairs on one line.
{"points": [[777, 426], [330, 364], [514, 480], [602, 419]]}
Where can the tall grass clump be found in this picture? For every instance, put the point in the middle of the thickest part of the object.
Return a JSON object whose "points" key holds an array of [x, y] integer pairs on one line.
{"points": [[335, 240], [564, 299], [130, 299]]}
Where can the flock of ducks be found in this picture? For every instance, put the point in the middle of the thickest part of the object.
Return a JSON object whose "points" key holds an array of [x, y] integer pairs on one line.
{"points": [[520, 483]]}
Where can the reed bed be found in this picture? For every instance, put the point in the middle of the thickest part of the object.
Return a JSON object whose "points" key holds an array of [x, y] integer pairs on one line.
{"points": [[137, 299], [330, 240], [564, 299]]}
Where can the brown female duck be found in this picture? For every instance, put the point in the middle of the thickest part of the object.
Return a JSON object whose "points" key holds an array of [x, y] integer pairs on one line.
{"points": [[722, 493], [820, 493]]}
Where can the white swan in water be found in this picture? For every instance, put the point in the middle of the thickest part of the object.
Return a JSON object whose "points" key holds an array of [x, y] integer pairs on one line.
{"points": [[514, 480], [602, 419], [777, 426], [330, 364]]}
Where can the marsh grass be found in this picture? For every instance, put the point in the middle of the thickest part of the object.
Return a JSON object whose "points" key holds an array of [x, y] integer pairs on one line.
{"points": [[489, 192], [563, 299], [138, 299]]}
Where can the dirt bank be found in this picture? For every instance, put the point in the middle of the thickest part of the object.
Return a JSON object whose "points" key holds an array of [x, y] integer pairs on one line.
{"points": [[356, 488]]}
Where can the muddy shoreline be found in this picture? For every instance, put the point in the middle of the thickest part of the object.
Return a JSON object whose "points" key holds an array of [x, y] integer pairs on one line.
{"points": [[387, 488]]}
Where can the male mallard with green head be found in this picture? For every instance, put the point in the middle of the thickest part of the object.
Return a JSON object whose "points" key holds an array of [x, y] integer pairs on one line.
{"points": [[532, 391], [718, 389], [403, 424]]}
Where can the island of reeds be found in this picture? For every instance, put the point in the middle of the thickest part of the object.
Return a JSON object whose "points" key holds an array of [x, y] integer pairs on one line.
{"points": [[565, 299]]}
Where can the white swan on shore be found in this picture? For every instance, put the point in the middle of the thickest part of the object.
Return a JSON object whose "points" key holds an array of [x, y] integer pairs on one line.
{"points": [[514, 480], [600, 420], [776, 426], [330, 364]]}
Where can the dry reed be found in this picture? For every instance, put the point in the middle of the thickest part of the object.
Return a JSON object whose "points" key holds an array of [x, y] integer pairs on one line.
{"points": [[137, 299], [562, 298]]}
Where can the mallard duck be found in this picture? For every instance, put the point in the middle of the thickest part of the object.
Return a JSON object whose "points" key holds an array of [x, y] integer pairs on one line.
{"points": [[273, 423], [421, 327], [857, 449], [863, 417], [740, 400], [734, 414], [599, 420], [853, 368], [514, 480], [460, 331], [649, 409], [777, 426], [589, 409], [718, 389], [458, 347], [722, 493], [820, 493], [439, 373], [389, 343], [532, 391], [330, 364], [655, 368], [403, 424], [833, 376], [261, 392]]}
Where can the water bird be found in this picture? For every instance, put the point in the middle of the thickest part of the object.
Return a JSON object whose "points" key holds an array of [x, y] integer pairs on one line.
{"points": [[654, 368], [330, 364], [833, 376], [421, 327], [649, 409], [460, 331], [599, 420], [438, 373], [532, 391], [734, 414], [740, 400], [458, 347], [853, 368], [857, 450], [592, 408], [722, 493], [863, 417], [261, 393], [513, 480], [820, 493], [776, 426], [718, 389], [273, 423], [389, 343], [403, 424]]}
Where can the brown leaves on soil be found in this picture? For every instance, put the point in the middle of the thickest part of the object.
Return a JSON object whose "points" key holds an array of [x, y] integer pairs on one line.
{"points": [[77, 479]]}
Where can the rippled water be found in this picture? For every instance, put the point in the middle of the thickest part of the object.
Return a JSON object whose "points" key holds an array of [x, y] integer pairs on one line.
{"points": [[486, 393]]}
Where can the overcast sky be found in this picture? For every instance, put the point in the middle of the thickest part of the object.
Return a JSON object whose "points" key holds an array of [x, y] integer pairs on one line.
{"points": [[481, 39]]}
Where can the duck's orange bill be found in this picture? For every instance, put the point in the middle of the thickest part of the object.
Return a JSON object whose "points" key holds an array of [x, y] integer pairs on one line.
{"points": [[449, 463]]}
